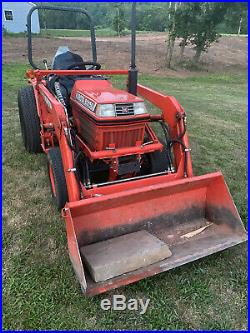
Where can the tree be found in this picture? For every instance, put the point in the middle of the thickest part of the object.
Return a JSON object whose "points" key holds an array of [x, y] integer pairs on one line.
{"points": [[119, 19], [185, 17], [236, 18], [208, 16], [151, 19], [171, 33]]}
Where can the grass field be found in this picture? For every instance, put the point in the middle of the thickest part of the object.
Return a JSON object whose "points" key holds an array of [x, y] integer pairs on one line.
{"points": [[100, 32], [40, 290], [105, 32]]}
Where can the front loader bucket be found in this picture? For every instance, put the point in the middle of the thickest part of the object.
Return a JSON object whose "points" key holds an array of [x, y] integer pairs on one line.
{"points": [[194, 216]]}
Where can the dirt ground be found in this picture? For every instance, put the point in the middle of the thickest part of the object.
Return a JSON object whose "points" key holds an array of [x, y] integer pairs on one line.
{"points": [[227, 55]]}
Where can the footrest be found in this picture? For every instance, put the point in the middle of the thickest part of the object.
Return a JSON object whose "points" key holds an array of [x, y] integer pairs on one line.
{"points": [[123, 254]]}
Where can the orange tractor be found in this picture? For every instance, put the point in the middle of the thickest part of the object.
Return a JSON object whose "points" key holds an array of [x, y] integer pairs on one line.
{"points": [[132, 206]]}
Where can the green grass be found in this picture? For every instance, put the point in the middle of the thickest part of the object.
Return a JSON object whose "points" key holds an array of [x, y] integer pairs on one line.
{"points": [[100, 32], [234, 35], [40, 290], [105, 32]]}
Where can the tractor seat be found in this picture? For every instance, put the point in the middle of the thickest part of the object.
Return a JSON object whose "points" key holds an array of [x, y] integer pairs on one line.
{"points": [[63, 61], [66, 59]]}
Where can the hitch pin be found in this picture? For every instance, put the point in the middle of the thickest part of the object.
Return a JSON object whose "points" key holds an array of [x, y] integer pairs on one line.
{"points": [[71, 170], [185, 120], [146, 143], [45, 62], [110, 148]]}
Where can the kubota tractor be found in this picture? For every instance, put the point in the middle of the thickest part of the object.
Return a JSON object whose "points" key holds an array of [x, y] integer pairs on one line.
{"points": [[133, 207]]}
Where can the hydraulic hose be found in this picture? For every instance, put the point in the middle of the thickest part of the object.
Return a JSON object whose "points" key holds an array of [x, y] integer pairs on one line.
{"points": [[185, 150], [81, 158], [177, 140], [183, 118], [167, 138]]}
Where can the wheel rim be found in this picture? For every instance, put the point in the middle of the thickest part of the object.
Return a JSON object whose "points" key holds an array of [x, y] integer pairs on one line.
{"points": [[52, 181]]}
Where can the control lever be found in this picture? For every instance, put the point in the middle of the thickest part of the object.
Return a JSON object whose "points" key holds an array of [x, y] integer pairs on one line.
{"points": [[45, 62]]}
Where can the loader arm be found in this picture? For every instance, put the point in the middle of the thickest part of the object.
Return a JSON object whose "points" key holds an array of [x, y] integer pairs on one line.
{"points": [[174, 115]]}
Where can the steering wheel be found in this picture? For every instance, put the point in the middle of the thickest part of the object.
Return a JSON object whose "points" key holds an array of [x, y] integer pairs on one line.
{"points": [[76, 65]]}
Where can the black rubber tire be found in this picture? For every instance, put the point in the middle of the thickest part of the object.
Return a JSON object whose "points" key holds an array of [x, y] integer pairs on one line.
{"points": [[29, 120], [60, 193], [158, 160]]}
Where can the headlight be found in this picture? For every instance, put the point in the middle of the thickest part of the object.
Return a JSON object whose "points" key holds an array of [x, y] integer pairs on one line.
{"points": [[139, 108], [105, 110]]}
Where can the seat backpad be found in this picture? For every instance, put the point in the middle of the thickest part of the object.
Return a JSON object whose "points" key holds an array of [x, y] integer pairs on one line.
{"points": [[67, 59], [63, 61]]}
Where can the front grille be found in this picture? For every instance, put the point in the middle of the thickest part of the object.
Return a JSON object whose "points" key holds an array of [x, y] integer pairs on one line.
{"points": [[124, 138], [124, 109]]}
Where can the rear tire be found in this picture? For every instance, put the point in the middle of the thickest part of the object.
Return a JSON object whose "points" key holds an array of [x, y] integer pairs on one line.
{"points": [[29, 120], [57, 177]]}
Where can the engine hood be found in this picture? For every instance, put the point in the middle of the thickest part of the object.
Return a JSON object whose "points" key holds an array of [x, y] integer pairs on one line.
{"points": [[102, 92]]}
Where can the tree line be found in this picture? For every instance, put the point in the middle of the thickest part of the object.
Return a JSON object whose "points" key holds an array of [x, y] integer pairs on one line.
{"points": [[198, 24], [150, 16]]}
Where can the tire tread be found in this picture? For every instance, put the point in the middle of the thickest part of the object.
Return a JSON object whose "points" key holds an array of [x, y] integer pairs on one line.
{"points": [[55, 161], [29, 119]]}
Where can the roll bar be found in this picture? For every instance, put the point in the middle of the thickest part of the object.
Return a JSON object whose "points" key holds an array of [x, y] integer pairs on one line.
{"points": [[132, 73], [65, 9]]}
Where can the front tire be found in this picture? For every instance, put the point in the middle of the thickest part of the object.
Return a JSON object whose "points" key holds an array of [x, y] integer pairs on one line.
{"points": [[57, 177], [159, 161], [29, 120]]}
